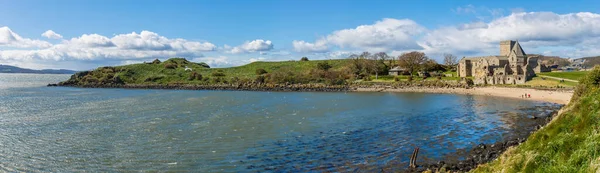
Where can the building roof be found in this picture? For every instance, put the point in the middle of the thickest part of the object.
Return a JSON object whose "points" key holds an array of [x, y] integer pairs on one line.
{"points": [[518, 49], [397, 68]]}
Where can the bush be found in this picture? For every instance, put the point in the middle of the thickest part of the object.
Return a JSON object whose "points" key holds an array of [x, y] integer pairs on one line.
{"points": [[260, 79], [587, 83], [195, 76], [234, 80], [156, 61], [367, 78], [170, 65], [216, 80], [260, 71], [304, 59], [323, 66], [153, 78], [218, 73]]}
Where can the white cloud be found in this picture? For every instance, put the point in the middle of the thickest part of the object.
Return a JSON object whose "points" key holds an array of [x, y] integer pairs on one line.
{"points": [[302, 46], [219, 61], [532, 29], [10, 39], [385, 35], [91, 40], [123, 47], [52, 35], [465, 9], [252, 46]]}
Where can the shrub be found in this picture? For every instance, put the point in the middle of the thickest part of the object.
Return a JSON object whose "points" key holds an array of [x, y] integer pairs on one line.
{"points": [[367, 78], [218, 74], [234, 80], [587, 83], [170, 65], [323, 66], [156, 61], [260, 71], [153, 78], [304, 59], [216, 80], [198, 76], [260, 79], [192, 76], [117, 80]]}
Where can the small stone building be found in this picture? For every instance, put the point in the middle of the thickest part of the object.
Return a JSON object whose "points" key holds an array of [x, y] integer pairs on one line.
{"points": [[512, 66], [396, 71]]}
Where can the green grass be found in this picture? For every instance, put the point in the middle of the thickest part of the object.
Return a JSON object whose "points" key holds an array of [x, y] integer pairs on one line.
{"points": [[249, 70], [574, 75], [159, 73], [547, 82], [570, 143]]}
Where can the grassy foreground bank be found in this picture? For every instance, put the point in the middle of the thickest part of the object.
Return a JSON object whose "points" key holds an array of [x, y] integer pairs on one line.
{"points": [[570, 143]]}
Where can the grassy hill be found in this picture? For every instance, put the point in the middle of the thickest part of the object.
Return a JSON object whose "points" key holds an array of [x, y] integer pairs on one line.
{"points": [[570, 143], [173, 71], [551, 60], [591, 61]]}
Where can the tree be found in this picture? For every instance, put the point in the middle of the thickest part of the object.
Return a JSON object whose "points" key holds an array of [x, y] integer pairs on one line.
{"points": [[304, 59], [450, 60], [378, 63], [358, 66], [412, 61], [432, 65]]}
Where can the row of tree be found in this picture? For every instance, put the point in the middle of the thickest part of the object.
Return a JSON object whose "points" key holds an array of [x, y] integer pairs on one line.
{"points": [[379, 63]]}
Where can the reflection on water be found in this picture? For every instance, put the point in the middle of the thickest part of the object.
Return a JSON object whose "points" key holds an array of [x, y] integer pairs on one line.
{"points": [[61, 129]]}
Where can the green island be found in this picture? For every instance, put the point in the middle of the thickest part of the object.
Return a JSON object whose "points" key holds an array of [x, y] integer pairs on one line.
{"points": [[316, 73], [338, 73]]}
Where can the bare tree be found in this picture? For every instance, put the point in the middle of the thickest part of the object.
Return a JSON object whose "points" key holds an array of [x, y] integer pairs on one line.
{"points": [[450, 60], [378, 64], [412, 61]]}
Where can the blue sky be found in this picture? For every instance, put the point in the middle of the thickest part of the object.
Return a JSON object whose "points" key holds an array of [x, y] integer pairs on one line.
{"points": [[87, 34]]}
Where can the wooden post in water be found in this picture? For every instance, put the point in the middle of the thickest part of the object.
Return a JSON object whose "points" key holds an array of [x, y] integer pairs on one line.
{"points": [[413, 158]]}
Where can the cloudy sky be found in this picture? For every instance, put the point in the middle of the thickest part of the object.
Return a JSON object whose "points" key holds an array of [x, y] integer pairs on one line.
{"points": [[83, 35]]}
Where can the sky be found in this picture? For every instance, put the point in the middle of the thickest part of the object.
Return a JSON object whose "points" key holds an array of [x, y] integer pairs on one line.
{"points": [[83, 35]]}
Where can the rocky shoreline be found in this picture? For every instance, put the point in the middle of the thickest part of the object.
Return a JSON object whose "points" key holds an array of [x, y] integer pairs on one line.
{"points": [[480, 154]]}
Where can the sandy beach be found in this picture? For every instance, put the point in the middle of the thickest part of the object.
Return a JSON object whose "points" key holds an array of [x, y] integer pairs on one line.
{"points": [[560, 97]]}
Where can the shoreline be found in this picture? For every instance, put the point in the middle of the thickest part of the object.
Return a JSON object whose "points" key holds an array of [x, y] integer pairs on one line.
{"points": [[559, 96], [553, 96]]}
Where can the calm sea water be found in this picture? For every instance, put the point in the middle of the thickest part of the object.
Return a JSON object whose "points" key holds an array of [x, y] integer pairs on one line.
{"points": [[61, 129]]}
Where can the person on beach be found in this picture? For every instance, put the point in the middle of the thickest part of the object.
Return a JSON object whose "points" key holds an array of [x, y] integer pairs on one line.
{"points": [[529, 96]]}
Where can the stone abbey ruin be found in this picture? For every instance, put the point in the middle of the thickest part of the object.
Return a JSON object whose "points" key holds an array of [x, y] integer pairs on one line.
{"points": [[512, 66]]}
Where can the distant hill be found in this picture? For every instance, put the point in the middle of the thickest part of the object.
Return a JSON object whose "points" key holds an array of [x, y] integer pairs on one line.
{"points": [[552, 60], [591, 61], [13, 69]]}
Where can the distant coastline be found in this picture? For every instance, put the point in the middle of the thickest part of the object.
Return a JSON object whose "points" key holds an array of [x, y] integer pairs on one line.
{"points": [[14, 69]]}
